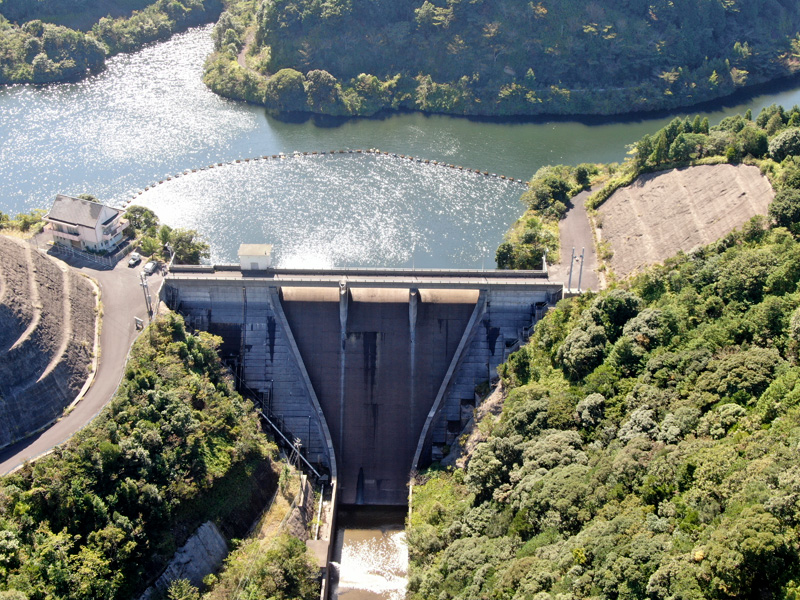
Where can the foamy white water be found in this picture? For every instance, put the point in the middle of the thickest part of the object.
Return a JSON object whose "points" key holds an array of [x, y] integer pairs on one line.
{"points": [[374, 564]]}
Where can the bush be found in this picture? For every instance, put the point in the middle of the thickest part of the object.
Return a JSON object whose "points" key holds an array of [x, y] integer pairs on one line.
{"points": [[785, 144], [286, 91], [784, 210]]}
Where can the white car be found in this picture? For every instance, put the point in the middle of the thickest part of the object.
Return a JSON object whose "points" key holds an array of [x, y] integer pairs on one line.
{"points": [[135, 259], [150, 267]]}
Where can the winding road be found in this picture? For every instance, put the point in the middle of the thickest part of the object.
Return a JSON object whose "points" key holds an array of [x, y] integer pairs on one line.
{"points": [[122, 299]]}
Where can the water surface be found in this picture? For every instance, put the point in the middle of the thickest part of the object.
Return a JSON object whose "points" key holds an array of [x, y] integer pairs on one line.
{"points": [[149, 116], [344, 210]]}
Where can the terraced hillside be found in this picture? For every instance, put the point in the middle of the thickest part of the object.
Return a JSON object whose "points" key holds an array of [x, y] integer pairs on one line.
{"points": [[47, 331]]}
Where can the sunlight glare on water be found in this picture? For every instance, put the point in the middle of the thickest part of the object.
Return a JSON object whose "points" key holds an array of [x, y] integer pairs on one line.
{"points": [[117, 128], [343, 210]]}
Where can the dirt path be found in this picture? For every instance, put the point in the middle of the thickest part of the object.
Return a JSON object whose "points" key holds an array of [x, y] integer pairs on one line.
{"points": [[122, 299], [576, 232], [663, 213], [248, 41]]}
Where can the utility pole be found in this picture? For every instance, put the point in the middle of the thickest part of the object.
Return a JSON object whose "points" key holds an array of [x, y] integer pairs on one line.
{"points": [[147, 299], [580, 273], [571, 263]]}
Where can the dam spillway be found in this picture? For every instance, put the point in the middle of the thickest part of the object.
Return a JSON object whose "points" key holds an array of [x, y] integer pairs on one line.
{"points": [[374, 371]]}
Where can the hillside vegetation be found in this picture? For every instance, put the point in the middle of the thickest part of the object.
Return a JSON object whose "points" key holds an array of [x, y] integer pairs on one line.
{"points": [[771, 142], [177, 446], [34, 51], [505, 57], [647, 446]]}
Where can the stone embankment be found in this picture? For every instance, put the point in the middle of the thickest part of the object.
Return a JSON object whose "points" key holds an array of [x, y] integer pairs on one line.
{"points": [[48, 319]]}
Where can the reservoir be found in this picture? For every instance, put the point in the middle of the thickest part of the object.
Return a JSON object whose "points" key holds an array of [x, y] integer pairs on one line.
{"points": [[149, 116]]}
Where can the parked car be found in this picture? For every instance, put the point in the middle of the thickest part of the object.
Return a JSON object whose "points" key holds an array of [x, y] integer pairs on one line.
{"points": [[135, 259], [150, 267]]}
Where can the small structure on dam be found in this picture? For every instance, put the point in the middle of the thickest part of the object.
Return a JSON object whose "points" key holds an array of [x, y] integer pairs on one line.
{"points": [[373, 370]]}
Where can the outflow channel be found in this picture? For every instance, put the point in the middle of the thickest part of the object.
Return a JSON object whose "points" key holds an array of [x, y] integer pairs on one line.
{"points": [[371, 555]]}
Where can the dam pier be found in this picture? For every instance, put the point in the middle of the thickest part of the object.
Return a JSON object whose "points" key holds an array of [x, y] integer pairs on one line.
{"points": [[373, 370]]}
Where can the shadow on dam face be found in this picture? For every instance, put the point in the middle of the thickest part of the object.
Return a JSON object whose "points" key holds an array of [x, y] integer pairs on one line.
{"points": [[376, 359]]}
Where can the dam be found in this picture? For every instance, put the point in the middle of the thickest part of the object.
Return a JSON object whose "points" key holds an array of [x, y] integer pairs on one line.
{"points": [[373, 372]]}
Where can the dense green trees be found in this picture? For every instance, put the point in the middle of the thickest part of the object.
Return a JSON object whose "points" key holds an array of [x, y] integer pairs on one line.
{"points": [[646, 447], [177, 446], [154, 239], [513, 57], [35, 52], [663, 470]]}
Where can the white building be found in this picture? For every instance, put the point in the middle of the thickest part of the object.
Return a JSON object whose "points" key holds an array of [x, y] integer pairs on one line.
{"points": [[85, 225], [255, 257]]}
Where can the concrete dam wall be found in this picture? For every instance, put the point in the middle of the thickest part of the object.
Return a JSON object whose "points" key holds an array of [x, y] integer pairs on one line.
{"points": [[374, 375]]}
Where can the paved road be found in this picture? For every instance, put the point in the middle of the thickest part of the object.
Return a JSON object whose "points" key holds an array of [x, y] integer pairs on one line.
{"points": [[576, 232], [122, 299]]}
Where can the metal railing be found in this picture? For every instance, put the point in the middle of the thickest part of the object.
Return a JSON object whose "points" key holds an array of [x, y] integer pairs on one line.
{"points": [[107, 260], [275, 422]]}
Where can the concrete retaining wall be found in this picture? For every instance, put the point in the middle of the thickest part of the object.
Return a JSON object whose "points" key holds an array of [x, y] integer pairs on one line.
{"points": [[202, 554]]}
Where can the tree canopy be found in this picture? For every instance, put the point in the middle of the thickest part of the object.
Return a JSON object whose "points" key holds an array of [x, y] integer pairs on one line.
{"points": [[508, 57], [646, 445]]}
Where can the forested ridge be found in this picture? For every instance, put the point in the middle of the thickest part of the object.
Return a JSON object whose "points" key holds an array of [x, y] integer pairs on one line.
{"points": [[35, 48], [102, 515], [648, 442], [504, 57]]}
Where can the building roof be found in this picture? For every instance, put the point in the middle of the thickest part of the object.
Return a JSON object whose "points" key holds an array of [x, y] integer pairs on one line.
{"points": [[80, 212], [255, 249]]}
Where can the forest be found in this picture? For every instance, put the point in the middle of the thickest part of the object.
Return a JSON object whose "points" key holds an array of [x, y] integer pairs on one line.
{"points": [[35, 48], [647, 445], [505, 57], [101, 516]]}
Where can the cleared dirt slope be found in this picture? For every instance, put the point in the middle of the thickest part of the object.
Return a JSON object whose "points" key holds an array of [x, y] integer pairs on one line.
{"points": [[47, 330], [662, 213]]}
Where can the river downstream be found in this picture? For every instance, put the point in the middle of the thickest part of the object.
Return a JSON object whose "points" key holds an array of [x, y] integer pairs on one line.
{"points": [[149, 116]]}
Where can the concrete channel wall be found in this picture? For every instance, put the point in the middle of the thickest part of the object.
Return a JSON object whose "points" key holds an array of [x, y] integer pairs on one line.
{"points": [[374, 375]]}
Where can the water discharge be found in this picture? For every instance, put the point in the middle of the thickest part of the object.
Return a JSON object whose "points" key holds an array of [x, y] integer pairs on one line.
{"points": [[372, 555]]}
